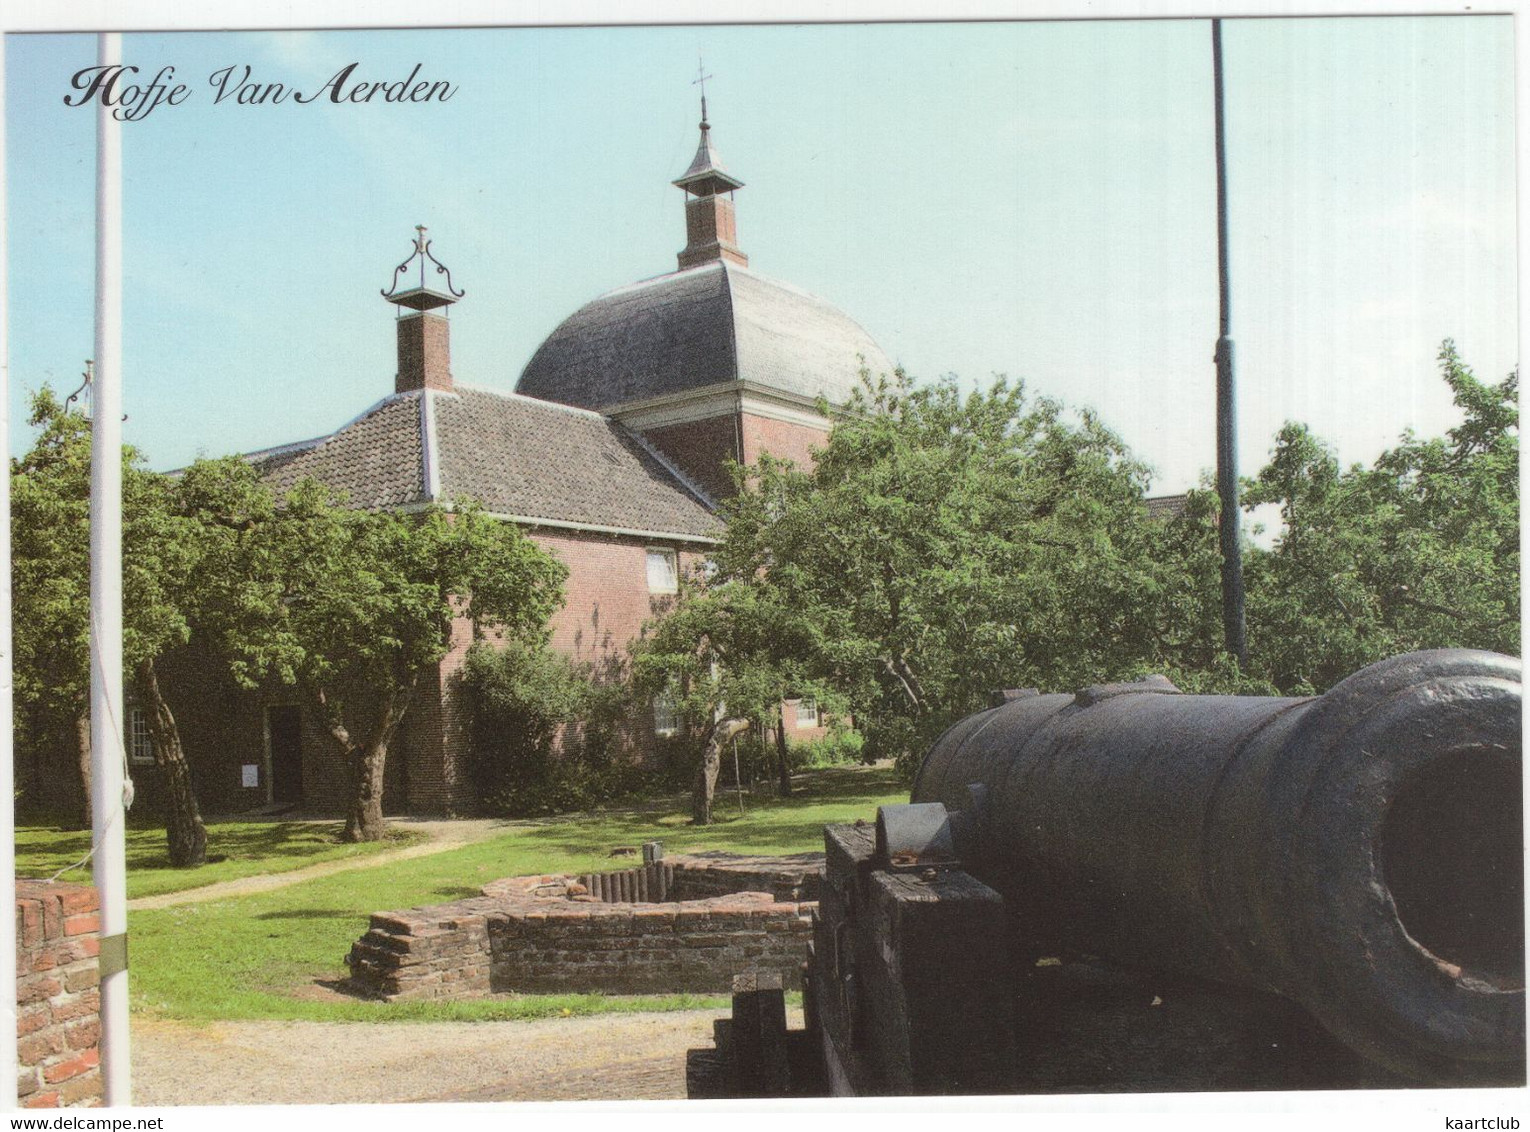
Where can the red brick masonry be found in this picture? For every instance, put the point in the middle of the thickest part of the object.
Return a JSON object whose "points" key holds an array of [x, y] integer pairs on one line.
{"points": [[688, 923], [58, 1005]]}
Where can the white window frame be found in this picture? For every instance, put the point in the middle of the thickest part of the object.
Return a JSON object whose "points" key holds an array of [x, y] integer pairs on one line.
{"points": [[140, 746], [811, 718], [666, 721], [671, 561]]}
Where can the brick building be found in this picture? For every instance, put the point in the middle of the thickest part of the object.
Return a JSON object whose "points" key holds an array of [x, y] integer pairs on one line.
{"points": [[611, 454]]}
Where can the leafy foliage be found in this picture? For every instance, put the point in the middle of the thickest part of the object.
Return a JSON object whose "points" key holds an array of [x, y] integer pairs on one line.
{"points": [[731, 646], [725, 658], [50, 564], [50, 513], [330, 596], [941, 547], [1420, 550], [546, 731], [50, 578], [839, 747], [351, 606]]}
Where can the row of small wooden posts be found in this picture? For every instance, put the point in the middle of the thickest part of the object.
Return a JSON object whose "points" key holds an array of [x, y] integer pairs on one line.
{"points": [[647, 883]]}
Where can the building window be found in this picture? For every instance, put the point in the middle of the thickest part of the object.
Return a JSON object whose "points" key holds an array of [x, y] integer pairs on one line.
{"points": [[663, 574], [666, 723], [807, 712], [140, 746]]}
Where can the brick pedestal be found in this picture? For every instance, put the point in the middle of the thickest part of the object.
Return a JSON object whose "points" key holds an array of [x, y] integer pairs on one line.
{"points": [[58, 1025]]}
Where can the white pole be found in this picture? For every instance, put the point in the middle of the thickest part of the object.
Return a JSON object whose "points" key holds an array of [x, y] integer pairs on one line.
{"points": [[106, 717], [7, 764]]}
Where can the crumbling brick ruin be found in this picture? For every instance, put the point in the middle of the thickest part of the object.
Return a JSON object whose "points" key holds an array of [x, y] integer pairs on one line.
{"points": [[682, 924]]}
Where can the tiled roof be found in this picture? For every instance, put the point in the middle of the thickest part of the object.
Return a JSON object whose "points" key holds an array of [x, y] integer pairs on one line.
{"points": [[376, 459], [514, 455], [708, 325], [532, 459]]}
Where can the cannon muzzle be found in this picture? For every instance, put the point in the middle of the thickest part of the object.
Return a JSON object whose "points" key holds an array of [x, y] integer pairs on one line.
{"points": [[1359, 852]]}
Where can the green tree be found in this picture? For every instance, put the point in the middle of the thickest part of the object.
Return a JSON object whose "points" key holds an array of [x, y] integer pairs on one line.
{"points": [[51, 601], [50, 594], [1420, 550], [943, 546], [353, 607], [726, 657]]}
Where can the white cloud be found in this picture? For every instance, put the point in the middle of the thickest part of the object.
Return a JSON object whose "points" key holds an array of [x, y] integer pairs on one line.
{"points": [[302, 52]]}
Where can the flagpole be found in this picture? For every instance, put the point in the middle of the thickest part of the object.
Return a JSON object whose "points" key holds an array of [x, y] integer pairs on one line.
{"points": [[1229, 525], [106, 708], [7, 755]]}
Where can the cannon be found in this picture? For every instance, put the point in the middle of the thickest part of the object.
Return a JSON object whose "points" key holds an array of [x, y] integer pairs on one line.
{"points": [[1359, 853], [1136, 888]]}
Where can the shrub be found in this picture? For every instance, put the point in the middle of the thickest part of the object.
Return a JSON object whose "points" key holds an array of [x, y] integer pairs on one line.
{"points": [[840, 747], [547, 733]]}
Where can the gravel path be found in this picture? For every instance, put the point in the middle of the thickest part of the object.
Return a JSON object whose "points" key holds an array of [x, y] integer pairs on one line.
{"points": [[443, 835], [601, 1057]]}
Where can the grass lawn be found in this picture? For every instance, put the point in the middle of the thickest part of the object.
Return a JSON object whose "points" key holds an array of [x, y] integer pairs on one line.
{"points": [[268, 955], [234, 849]]}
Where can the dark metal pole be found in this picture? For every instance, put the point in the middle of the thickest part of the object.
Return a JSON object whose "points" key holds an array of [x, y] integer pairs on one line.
{"points": [[1227, 438]]}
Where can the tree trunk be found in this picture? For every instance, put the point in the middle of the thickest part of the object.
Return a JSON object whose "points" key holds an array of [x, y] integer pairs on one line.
{"points": [[366, 760], [184, 831], [364, 820], [711, 763], [783, 766], [82, 753]]}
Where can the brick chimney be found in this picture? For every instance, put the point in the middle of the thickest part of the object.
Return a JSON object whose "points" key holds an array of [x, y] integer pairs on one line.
{"points": [[711, 229], [424, 337], [424, 352]]}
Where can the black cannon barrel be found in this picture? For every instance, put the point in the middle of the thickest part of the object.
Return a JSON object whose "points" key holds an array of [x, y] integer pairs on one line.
{"points": [[1359, 852]]}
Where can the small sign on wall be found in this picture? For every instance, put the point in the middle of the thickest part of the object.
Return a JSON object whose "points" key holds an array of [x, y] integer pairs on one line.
{"points": [[249, 775]]}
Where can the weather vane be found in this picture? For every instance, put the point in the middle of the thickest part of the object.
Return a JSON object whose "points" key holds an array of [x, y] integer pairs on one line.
{"points": [[701, 80], [421, 251]]}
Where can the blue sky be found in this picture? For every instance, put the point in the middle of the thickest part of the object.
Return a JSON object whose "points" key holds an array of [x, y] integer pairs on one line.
{"points": [[1034, 199]]}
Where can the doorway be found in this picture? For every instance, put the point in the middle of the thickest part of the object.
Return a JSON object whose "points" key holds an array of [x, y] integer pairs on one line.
{"points": [[284, 731]]}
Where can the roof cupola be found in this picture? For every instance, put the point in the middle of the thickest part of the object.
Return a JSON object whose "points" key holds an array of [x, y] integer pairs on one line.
{"points": [[711, 229]]}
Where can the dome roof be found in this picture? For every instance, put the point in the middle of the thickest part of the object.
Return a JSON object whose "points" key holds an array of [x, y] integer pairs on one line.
{"points": [[705, 326]]}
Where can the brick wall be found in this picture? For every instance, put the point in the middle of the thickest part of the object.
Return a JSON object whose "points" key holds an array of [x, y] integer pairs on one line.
{"points": [[788, 879], [802, 732], [786, 440], [431, 761], [711, 231], [555, 934], [58, 1024], [695, 946], [701, 448], [607, 591]]}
